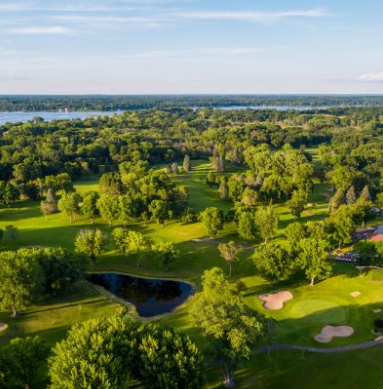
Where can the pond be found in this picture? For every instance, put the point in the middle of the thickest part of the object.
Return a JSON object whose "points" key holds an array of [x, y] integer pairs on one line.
{"points": [[151, 297]]}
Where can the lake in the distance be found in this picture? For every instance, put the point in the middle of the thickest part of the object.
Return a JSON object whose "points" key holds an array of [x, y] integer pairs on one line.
{"points": [[16, 117], [151, 297]]}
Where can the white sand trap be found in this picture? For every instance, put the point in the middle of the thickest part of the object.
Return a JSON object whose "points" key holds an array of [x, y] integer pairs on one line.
{"points": [[377, 310], [329, 332], [275, 300], [3, 327], [355, 294]]}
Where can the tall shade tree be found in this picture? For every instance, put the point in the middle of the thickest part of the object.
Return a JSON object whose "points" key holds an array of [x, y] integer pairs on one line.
{"points": [[267, 222], [313, 259], [99, 353], [129, 208], [89, 206], [21, 280], [247, 226], [297, 202], [69, 204], [168, 359], [187, 164], [165, 253], [272, 261], [25, 357], [230, 253], [90, 243], [109, 208], [159, 211], [213, 220], [231, 328], [11, 232], [139, 245], [215, 284], [342, 225], [119, 236], [111, 353]]}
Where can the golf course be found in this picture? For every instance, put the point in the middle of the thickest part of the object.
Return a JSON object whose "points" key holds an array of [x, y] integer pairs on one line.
{"points": [[330, 302]]}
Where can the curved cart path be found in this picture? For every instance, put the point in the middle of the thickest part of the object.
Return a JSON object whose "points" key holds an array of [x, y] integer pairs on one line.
{"points": [[321, 350]]}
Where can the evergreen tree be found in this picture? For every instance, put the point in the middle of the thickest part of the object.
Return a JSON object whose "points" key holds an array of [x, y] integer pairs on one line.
{"points": [[174, 167], [351, 196], [49, 205], [365, 195], [337, 200], [223, 189], [187, 164]]}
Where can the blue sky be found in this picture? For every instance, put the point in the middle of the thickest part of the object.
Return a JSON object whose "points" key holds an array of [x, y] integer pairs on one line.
{"points": [[190, 46]]}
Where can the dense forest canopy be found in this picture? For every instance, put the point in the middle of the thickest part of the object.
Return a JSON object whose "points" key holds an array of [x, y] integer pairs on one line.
{"points": [[131, 102]]}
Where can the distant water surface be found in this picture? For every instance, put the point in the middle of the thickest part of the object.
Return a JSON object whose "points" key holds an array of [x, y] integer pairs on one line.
{"points": [[16, 117]]}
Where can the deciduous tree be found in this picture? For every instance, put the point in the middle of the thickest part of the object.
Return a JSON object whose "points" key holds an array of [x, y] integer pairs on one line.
{"points": [[272, 261], [230, 253], [313, 259], [90, 243], [21, 280], [213, 220], [267, 222]]}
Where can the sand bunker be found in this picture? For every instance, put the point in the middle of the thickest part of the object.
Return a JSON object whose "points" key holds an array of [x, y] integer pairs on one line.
{"points": [[329, 332], [275, 300], [3, 327], [355, 294]]}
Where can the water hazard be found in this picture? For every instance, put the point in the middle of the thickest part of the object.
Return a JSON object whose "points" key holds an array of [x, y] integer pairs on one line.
{"points": [[151, 297]]}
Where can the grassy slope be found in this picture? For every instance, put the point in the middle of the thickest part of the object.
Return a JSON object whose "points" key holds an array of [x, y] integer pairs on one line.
{"points": [[329, 302]]}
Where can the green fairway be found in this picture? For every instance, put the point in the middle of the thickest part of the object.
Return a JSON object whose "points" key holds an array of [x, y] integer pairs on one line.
{"points": [[327, 303]]}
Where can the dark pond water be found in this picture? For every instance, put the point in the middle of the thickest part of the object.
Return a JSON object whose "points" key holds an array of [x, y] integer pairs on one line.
{"points": [[151, 297]]}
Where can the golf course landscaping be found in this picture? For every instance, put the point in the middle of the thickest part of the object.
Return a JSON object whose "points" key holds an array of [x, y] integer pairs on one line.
{"points": [[302, 311]]}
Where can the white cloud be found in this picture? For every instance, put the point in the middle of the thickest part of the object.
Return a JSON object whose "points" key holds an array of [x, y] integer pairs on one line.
{"points": [[249, 15], [234, 51], [97, 20], [37, 30], [14, 7], [371, 77]]}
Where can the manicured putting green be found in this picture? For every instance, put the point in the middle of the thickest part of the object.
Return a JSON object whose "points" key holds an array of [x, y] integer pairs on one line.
{"points": [[319, 311]]}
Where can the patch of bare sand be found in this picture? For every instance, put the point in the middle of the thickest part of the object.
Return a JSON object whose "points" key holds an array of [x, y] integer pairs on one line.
{"points": [[3, 327], [330, 332], [275, 300]]}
